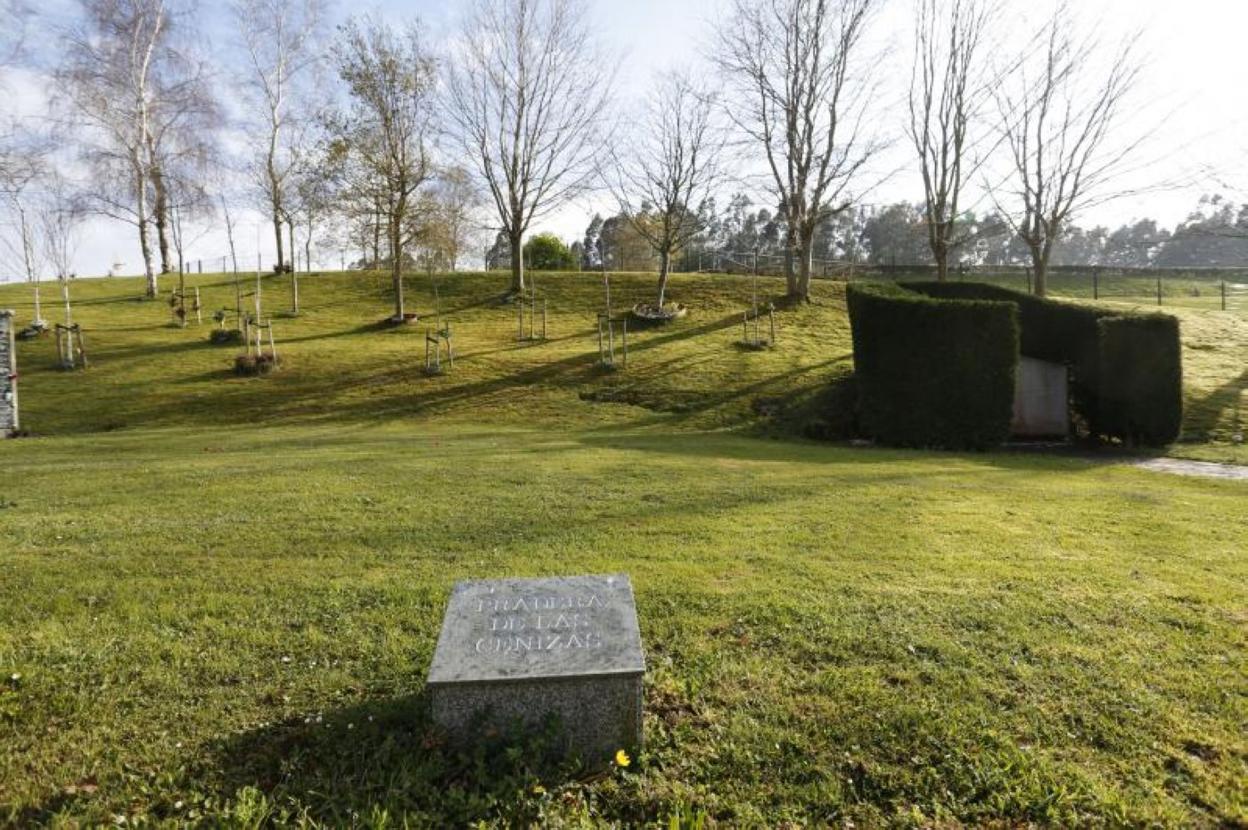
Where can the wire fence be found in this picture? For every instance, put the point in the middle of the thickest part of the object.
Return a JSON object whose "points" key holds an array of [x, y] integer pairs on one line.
{"points": [[1214, 289], [1220, 289]]}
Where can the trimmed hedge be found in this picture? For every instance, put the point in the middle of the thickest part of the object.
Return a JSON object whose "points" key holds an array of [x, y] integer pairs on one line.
{"points": [[933, 373], [1126, 373], [1141, 363]]}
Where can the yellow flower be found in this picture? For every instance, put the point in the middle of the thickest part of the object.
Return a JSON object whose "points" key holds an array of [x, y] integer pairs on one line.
{"points": [[622, 759], [538, 789]]}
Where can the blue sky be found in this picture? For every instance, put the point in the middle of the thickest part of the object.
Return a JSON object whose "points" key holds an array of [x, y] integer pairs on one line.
{"points": [[1194, 86]]}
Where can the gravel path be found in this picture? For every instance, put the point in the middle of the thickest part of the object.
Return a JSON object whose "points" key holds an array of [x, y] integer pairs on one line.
{"points": [[1200, 469]]}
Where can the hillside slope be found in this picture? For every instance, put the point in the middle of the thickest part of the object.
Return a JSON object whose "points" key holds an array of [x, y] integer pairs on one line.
{"points": [[340, 363]]}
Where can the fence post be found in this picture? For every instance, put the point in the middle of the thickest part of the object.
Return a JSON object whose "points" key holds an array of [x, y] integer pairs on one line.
{"points": [[1159, 289], [1096, 287]]}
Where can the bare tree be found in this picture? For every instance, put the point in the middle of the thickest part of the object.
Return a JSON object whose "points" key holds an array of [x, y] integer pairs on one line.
{"points": [[526, 98], [14, 15], [21, 235], [180, 141], [109, 78], [1060, 111], [449, 221], [283, 43], [950, 88], [672, 168], [800, 93], [390, 76], [60, 221]]}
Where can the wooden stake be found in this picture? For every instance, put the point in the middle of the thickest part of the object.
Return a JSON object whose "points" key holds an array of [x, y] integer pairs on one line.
{"points": [[82, 348]]}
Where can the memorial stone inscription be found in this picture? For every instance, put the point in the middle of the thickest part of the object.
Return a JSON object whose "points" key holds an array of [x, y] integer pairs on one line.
{"points": [[521, 650], [8, 376]]}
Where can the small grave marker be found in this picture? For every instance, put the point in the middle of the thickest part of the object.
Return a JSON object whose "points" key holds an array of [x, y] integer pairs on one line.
{"points": [[521, 650]]}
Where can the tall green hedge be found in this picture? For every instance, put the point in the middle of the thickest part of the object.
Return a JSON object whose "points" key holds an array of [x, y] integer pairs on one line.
{"points": [[933, 373], [1126, 374], [1141, 363]]}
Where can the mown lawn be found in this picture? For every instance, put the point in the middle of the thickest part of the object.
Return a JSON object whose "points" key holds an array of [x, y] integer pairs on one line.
{"points": [[195, 619], [219, 597]]}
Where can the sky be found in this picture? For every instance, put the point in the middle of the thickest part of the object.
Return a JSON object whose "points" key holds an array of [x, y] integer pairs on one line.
{"points": [[1195, 91]]}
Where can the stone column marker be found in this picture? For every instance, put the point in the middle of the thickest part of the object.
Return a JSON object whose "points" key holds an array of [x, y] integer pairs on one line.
{"points": [[520, 650]]}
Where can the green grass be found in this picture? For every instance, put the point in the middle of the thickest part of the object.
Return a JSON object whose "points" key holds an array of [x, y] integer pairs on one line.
{"points": [[219, 597]]}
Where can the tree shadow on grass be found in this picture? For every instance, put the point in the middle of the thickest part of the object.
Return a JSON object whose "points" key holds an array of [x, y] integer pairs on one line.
{"points": [[381, 759], [1205, 414]]}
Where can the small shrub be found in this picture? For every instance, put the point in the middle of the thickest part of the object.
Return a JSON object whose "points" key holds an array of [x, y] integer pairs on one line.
{"points": [[225, 337], [251, 365]]}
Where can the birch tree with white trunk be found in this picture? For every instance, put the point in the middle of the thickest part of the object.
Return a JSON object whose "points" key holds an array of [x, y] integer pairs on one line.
{"points": [[283, 41], [107, 81]]}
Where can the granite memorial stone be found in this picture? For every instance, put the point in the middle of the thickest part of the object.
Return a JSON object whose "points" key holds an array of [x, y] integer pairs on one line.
{"points": [[522, 650], [8, 376], [1041, 400]]}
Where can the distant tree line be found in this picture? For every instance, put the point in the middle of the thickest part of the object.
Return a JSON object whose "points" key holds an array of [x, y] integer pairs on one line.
{"points": [[1214, 235]]}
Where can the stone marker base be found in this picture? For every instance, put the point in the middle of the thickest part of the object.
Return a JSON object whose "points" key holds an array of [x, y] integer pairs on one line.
{"points": [[515, 652], [596, 716]]}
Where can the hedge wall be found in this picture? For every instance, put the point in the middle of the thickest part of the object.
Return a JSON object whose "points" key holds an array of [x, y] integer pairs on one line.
{"points": [[1126, 373], [933, 373], [1141, 362]]}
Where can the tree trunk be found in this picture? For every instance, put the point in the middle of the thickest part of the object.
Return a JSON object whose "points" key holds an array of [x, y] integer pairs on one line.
{"points": [[69, 317], [277, 234], [1040, 264], [290, 233], [145, 244], [940, 252], [376, 241], [160, 217], [396, 273], [790, 272], [805, 253], [665, 259], [516, 238]]}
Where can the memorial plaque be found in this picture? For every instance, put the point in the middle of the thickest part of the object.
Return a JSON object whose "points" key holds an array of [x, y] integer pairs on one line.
{"points": [[8, 376], [520, 650]]}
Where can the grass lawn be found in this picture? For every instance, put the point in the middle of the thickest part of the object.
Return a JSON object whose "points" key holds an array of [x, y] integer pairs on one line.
{"points": [[219, 597]]}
